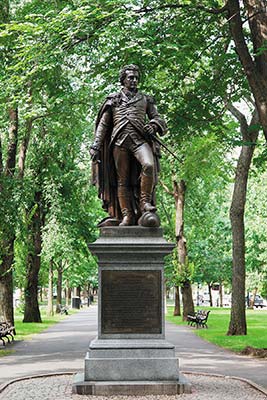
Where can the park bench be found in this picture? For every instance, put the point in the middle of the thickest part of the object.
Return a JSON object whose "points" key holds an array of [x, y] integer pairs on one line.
{"points": [[63, 310], [199, 319], [7, 331]]}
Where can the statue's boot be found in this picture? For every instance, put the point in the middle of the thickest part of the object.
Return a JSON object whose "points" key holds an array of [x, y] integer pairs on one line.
{"points": [[125, 205], [147, 183]]}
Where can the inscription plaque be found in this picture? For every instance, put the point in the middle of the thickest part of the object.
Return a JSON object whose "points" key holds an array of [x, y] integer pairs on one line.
{"points": [[131, 302]]}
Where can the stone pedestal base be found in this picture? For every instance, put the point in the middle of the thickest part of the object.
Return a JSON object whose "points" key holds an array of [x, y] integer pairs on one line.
{"points": [[130, 356], [130, 388], [131, 367], [131, 360]]}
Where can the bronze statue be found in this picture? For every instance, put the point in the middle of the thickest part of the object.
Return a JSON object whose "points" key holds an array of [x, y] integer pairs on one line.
{"points": [[125, 156]]}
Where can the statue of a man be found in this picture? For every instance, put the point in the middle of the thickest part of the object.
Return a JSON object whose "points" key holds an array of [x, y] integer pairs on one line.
{"points": [[125, 157]]}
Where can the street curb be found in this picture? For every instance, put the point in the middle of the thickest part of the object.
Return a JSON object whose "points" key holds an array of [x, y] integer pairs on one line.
{"points": [[252, 384], [237, 378]]}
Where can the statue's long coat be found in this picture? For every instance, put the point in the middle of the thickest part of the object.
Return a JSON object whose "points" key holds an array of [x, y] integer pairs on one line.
{"points": [[104, 172]]}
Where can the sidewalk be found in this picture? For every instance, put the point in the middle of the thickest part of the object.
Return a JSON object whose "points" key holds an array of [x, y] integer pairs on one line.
{"points": [[59, 348], [197, 355], [62, 348]]}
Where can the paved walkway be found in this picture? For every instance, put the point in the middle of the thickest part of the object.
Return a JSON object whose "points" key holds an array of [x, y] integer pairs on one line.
{"points": [[197, 355], [62, 348], [59, 348]]}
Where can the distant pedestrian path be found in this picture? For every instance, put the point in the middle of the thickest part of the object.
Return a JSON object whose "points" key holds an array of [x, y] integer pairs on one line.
{"points": [[62, 348]]}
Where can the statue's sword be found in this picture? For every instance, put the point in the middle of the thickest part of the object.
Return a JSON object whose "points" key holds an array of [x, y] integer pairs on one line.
{"points": [[156, 139]]}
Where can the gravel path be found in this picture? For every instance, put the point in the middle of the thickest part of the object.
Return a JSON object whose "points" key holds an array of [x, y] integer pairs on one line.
{"points": [[203, 388]]}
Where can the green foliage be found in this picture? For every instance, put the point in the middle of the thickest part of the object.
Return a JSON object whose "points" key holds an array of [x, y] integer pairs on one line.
{"points": [[207, 226], [181, 273], [256, 231], [58, 61], [4, 353], [38, 76], [263, 291]]}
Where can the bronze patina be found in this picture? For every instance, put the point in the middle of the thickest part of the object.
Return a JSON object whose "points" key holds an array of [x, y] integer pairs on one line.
{"points": [[125, 155]]}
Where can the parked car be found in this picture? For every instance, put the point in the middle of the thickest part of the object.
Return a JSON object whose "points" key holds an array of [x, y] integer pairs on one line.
{"points": [[259, 301]]}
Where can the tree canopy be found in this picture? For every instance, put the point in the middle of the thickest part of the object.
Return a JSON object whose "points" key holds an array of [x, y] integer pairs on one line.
{"points": [[58, 62]]}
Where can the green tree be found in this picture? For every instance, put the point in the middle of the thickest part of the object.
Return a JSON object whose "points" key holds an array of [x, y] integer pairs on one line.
{"points": [[249, 134], [256, 230], [9, 187], [59, 62]]}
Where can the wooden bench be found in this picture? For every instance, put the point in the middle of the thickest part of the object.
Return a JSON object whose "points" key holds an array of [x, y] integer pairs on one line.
{"points": [[199, 319], [7, 331]]}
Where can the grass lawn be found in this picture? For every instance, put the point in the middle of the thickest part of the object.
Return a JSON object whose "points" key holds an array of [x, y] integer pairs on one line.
{"points": [[218, 325], [24, 331], [5, 352]]}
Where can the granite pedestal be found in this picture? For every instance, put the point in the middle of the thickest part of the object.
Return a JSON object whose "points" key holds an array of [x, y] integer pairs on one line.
{"points": [[130, 354]]}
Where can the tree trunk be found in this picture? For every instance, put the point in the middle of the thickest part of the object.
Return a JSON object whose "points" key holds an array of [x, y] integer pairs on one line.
{"points": [[1, 163], [8, 234], [221, 295], [256, 74], [238, 324], [90, 292], [68, 294], [50, 309], [177, 304], [252, 300], [86, 292], [59, 287], [32, 312], [188, 305], [23, 149], [12, 142], [210, 294], [186, 289], [6, 283], [4, 11]]}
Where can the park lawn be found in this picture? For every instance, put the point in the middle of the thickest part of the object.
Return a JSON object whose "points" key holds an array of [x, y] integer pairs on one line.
{"points": [[218, 323], [5, 352], [25, 330]]}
